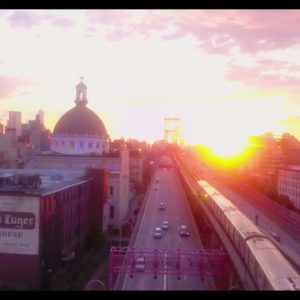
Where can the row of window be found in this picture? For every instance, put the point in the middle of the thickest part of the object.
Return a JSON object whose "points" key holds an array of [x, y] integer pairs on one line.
{"points": [[71, 144], [290, 175], [289, 191], [290, 183]]}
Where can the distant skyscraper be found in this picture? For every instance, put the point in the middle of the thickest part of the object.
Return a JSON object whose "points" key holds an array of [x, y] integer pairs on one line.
{"points": [[1, 128], [14, 121], [41, 116]]}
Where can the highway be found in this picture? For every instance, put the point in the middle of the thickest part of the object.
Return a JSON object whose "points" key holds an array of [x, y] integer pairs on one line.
{"points": [[169, 190]]}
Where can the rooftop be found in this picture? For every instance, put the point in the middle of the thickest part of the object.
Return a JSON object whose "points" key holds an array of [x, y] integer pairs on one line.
{"points": [[38, 182], [291, 168]]}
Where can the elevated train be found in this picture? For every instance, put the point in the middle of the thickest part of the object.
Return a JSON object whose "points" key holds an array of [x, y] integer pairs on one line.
{"points": [[267, 265]]}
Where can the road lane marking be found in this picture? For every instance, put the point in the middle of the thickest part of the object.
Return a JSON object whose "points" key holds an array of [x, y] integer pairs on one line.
{"points": [[165, 275]]}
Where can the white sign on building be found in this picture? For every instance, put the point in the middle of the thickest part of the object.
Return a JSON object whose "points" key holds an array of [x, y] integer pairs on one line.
{"points": [[19, 224]]}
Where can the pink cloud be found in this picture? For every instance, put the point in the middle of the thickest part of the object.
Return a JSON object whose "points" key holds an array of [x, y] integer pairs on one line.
{"points": [[117, 35], [256, 77], [10, 84], [251, 30]]}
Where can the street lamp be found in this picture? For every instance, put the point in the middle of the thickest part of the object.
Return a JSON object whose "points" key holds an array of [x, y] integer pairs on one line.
{"points": [[95, 284], [256, 218]]}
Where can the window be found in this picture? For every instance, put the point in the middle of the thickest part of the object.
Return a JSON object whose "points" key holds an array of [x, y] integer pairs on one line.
{"points": [[111, 212], [90, 144], [63, 143], [97, 145], [81, 145], [111, 190], [72, 145]]}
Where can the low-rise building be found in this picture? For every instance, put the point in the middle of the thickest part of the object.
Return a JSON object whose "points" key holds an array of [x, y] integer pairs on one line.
{"points": [[117, 164], [46, 220], [136, 168], [289, 184]]}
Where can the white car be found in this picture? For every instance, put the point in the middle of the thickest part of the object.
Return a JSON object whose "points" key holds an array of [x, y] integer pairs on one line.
{"points": [[157, 233], [165, 225], [140, 264]]}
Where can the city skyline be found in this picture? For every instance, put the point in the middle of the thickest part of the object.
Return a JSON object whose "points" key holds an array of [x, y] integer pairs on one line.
{"points": [[226, 74]]}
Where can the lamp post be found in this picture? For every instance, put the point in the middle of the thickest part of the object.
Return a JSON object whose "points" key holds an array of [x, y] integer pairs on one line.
{"points": [[256, 218], [95, 284]]}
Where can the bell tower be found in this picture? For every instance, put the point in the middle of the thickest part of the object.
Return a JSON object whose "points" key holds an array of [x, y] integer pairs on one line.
{"points": [[81, 93]]}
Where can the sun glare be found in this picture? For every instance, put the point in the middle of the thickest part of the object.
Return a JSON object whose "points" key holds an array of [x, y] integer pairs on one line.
{"points": [[227, 148]]}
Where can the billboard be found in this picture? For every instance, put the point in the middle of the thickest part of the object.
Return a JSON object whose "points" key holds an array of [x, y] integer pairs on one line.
{"points": [[19, 224]]}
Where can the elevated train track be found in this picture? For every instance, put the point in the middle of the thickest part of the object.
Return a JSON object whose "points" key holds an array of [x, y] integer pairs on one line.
{"points": [[263, 263]]}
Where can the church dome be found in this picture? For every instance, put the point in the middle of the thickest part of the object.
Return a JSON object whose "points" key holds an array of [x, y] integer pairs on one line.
{"points": [[80, 120], [80, 131]]}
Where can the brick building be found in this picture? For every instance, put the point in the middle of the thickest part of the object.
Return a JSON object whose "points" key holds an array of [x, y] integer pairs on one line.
{"points": [[46, 220]]}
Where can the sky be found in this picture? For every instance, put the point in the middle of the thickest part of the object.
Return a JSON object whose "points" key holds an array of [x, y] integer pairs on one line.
{"points": [[226, 74]]}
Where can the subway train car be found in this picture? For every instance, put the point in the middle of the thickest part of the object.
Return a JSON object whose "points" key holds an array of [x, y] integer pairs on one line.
{"points": [[268, 267]]}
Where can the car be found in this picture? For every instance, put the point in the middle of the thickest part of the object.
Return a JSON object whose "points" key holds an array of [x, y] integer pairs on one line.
{"points": [[140, 264], [162, 206], [183, 231], [165, 225], [157, 233]]}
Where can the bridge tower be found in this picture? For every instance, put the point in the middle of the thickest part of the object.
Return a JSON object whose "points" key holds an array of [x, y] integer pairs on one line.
{"points": [[172, 130]]}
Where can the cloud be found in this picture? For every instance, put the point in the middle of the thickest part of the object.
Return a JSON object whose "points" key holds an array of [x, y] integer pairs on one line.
{"points": [[265, 76], [218, 31], [63, 22], [10, 85], [127, 23], [25, 19], [108, 17]]}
